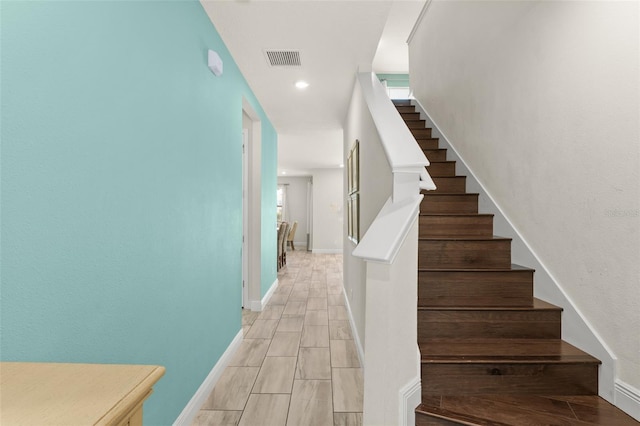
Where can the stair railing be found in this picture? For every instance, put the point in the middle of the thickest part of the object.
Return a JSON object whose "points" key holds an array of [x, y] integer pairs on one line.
{"points": [[390, 249]]}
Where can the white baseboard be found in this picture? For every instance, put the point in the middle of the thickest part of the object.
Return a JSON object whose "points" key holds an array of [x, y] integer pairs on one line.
{"points": [[258, 305], [192, 408], [410, 397], [354, 331], [326, 251], [627, 398]]}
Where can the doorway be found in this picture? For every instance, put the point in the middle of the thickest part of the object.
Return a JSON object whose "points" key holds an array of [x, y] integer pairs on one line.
{"points": [[245, 218]]}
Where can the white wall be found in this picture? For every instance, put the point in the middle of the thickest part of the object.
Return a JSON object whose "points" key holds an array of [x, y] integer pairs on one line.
{"points": [[297, 187], [375, 189], [327, 210], [541, 99]]}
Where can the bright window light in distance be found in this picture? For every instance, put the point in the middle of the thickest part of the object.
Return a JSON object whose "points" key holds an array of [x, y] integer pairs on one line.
{"points": [[302, 84]]}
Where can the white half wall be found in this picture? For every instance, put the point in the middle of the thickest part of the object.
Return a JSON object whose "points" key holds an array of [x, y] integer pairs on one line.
{"points": [[375, 188], [328, 204], [541, 99]]}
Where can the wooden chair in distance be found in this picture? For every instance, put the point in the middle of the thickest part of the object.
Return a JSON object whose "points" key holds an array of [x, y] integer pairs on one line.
{"points": [[282, 232], [292, 234]]}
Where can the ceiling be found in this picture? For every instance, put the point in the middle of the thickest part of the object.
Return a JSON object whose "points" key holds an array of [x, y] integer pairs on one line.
{"points": [[334, 38]]}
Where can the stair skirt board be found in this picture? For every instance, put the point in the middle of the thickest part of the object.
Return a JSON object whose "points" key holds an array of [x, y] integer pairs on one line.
{"points": [[258, 305], [192, 408], [580, 333], [354, 330]]}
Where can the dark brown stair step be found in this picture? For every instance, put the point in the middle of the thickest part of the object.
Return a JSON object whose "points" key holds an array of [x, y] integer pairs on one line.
{"points": [[496, 351], [427, 143], [521, 410], [436, 154], [440, 225], [441, 168], [451, 184], [415, 124], [540, 321], [530, 378], [464, 252], [410, 116], [476, 287], [421, 133], [405, 108], [438, 202]]}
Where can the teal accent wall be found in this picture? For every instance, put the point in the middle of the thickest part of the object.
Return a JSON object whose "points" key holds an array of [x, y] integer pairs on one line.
{"points": [[395, 80], [121, 188]]}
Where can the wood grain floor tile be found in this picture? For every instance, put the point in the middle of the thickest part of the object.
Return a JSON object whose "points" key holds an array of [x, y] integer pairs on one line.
{"points": [[314, 363], [217, 418], [279, 299], [347, 419], [316, 303], [248, 317], [317, 292], [316, 318], [338, 312], [271, 311], [344, 353], [265, 410], [276, 375], [284, 344], [315, 336], [262, 329], [291, 324], [335, 299], [299, 295], [311, 403], [348, 389], [250, 353], [295, 308], [339, 330], [232, 389]]}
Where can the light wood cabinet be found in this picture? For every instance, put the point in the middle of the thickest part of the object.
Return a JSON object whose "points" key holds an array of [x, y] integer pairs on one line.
{"points": [[74, 394]]}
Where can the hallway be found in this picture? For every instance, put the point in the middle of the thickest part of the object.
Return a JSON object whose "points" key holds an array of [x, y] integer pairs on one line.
{"points": [[298, 364]]}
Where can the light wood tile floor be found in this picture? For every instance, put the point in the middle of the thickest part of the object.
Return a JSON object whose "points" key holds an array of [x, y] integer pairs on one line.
{"points": [[298, 364]]}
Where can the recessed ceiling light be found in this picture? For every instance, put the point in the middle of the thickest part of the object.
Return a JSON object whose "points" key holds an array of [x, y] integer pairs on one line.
{"points": [[342, 166], [302, 84], [284, 173]]}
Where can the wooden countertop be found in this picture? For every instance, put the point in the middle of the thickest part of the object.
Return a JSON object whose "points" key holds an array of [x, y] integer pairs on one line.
{"points": [[72, 394]]}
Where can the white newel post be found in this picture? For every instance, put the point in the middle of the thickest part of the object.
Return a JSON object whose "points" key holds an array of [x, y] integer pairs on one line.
{"points": [[391, 359]]}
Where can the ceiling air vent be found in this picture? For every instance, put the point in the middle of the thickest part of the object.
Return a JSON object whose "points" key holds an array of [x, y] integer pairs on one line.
{"points": [[283, 58]]}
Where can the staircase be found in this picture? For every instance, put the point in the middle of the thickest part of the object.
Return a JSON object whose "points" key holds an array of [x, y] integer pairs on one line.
{"points": [[491, 353]]}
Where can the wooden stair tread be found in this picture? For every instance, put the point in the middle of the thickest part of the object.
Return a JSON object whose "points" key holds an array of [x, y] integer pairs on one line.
{"points": [[465, 238], [537, 305], [502, 351], [514, 267], [485, 410]]}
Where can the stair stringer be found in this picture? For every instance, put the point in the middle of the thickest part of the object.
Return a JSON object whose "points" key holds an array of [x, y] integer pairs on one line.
{"points": [[576, 329]]}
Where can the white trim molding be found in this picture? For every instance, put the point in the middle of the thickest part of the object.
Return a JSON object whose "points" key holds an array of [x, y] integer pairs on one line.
{"points": [[354, 330], [423, 13], [192, 408], [258, 305], [410, 397], [627, 398]]}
